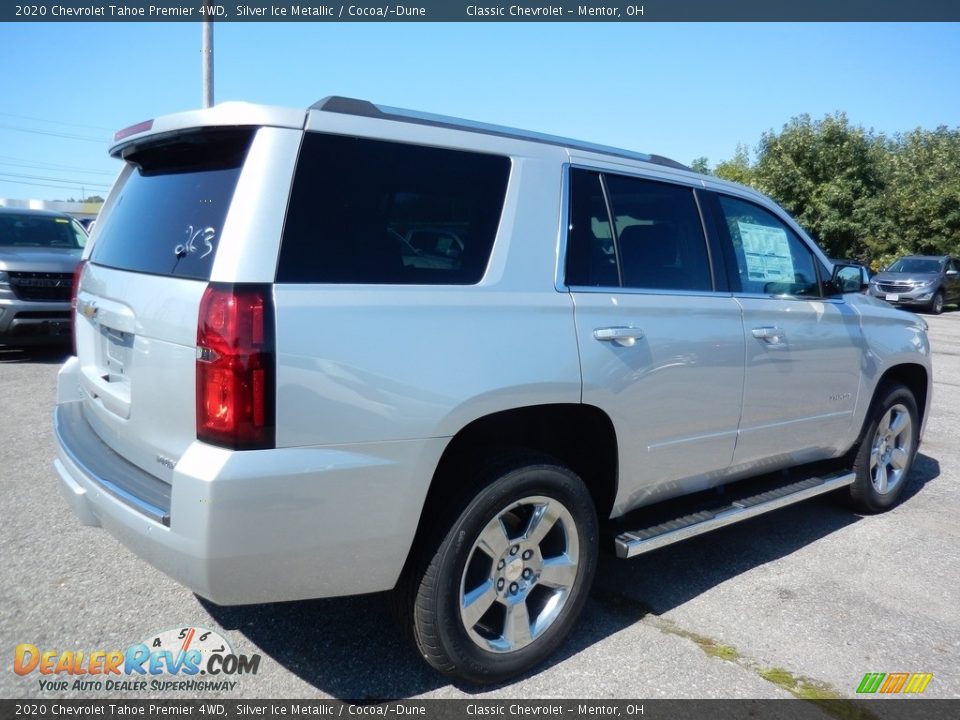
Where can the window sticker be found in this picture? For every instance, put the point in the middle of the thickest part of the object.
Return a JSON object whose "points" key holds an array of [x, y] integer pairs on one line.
{"points": [[767, 253]]}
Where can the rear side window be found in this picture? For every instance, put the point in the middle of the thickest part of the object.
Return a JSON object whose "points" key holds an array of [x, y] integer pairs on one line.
{"points": [[367, 211], [651, 237], [169, 214], [591, 252]]}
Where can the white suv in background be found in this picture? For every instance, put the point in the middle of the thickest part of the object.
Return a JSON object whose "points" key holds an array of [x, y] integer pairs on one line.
{"points": [[353, 348]]}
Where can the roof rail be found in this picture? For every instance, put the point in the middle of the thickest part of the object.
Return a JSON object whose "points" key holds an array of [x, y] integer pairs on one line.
{"points": [[365, 108]]}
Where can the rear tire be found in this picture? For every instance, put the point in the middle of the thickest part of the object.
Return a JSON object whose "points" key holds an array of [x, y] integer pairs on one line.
{"points": [[510, 575], [887, 451]]}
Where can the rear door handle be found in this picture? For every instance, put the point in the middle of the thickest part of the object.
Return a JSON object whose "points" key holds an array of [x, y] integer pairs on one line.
{"points": [[770, 335], [622, 336]]}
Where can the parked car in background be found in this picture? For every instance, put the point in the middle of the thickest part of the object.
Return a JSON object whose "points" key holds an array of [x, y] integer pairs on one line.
{"points": [[922, 281], [39, 252]]}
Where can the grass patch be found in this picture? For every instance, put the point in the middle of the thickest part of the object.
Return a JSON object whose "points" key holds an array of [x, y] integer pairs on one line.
{"points": [[710, 646], [821, 694], [800, 687]]}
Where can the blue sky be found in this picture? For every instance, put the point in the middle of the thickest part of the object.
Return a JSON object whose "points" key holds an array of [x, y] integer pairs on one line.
{"points": [[680, 90]]}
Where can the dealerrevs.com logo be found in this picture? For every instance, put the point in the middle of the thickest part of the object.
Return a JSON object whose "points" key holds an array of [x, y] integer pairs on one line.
{"points": [[195, 658]]}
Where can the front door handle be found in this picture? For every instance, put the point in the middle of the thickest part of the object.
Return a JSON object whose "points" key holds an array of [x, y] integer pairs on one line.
{"points": [[622, 336], [770, 335]]}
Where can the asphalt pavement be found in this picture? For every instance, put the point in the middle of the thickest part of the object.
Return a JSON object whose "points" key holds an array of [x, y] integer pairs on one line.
{"points": [[800, 602]]}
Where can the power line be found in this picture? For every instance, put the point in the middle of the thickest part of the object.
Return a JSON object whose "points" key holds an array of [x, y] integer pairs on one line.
{"points": [[54, 134], [53, 179], [54, 166], [23, 182], [57, 122]]}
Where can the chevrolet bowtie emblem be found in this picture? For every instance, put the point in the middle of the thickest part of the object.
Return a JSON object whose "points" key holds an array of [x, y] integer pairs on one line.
{"points": [[88, 310]]}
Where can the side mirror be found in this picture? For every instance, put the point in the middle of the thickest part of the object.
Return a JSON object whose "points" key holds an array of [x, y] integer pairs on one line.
{"points": [[952, 273], [847, 278]]}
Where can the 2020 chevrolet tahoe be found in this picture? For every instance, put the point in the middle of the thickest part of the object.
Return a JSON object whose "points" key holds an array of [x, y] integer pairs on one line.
{"points": [[355, 348]]}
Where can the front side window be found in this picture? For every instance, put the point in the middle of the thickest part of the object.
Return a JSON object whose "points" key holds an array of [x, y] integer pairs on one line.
{"points": [[367, 211], [770, 258], [651, 238]]}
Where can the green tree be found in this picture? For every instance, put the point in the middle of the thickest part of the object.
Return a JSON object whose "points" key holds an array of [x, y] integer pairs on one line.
{"points": [[700, 165], [923, 193], [830, 176], [738, 169], [864, 196]]}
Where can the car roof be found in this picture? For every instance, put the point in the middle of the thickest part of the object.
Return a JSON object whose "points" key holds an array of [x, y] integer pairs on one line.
{"points": [[4, 210], [365, 108], [240, 113]]}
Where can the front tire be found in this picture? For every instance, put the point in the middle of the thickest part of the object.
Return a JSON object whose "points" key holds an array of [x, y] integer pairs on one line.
{"points": [[936, 305], [510, 576], [886, 454]]}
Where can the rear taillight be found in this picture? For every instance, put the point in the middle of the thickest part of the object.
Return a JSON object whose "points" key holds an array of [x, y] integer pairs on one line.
{"points": [[74, 291], [235, 367]]}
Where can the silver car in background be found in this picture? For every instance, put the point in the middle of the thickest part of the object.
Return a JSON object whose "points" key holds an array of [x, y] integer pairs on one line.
{"points": [[919, 281]]}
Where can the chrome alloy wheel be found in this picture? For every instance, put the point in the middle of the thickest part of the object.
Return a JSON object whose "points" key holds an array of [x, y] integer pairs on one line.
{"points": [[519, 574], [891, 449]]}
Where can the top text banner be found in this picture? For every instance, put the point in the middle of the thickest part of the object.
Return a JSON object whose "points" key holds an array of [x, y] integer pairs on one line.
{"points": [[459, 11]]}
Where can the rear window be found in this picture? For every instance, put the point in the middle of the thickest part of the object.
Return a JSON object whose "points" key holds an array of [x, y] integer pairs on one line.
{"points": [[169, 214], [368, 211], [33, 230]]}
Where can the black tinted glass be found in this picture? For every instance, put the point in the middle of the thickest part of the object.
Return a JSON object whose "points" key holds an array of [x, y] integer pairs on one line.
{"points": [[591, 254], [915, 265], [367, 211], [169, 214], [40, 231], [660, 238]]}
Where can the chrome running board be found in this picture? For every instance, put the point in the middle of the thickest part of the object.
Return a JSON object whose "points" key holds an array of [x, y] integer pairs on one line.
{"points": [[636, 542]]}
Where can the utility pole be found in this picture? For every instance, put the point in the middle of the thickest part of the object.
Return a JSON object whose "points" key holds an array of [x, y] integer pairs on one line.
{"points": [[206, 53]]}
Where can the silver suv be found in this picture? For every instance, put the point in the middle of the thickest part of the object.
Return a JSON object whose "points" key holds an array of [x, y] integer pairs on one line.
{"points": [[924, 281], [277, 396], [39, 254]]}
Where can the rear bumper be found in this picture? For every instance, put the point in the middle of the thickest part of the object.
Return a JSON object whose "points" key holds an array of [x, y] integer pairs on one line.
{"points": [[256, 526]]}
